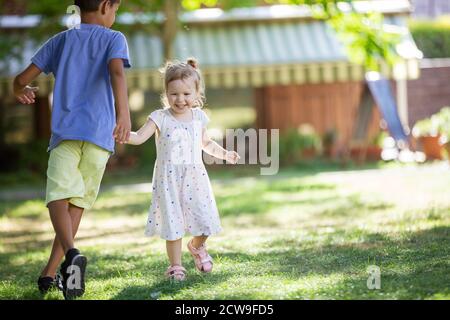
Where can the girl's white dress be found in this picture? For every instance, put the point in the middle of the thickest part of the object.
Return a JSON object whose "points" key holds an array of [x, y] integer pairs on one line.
{"points": [[182, 199]]}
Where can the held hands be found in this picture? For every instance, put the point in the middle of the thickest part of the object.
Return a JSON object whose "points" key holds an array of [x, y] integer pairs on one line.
{"points": [[122, 131], [26, 95], [232, 157]]}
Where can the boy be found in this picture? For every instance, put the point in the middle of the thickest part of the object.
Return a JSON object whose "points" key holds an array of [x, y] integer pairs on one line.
{"points": [[88, 64]]}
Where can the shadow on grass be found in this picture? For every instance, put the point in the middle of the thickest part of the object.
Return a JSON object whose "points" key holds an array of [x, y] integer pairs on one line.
{"points": [[32, 244], [127, 209], [167, 288], [299, 186], [347, 206], [251, 201], [254, 201], [352, 206], [28, 209], [413, 267]]}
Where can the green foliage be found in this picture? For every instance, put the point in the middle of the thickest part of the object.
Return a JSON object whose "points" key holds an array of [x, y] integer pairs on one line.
{"points": [[425, 127], [10, 49], [379, 138], [29, 157], [295, 141], [437, 124], [444, 115], [367, 43], [329, 137], [432, 37], [147, 154]]}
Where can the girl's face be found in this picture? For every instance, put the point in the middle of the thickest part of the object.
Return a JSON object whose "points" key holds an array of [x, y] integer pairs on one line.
{"points": [[181, 95]]}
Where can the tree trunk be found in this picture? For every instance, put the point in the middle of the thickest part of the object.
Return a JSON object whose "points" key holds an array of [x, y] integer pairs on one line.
{"points": [[170, 26]]}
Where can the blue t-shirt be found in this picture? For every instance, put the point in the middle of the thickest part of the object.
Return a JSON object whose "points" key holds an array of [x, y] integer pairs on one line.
{"points": [[83, 101]]}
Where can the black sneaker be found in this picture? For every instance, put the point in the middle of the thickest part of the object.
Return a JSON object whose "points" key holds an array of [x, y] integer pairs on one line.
{"points": [[45, 284], [72, 271]]}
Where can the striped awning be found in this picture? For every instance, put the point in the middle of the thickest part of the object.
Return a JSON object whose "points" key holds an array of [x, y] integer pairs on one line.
{"points": [[249, 54]]}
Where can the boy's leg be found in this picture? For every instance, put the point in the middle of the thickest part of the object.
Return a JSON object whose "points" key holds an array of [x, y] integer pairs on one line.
{"points": [[75, 169], [91, 167], [62, 223], [64, 181], [174, 252], [57, 252]]}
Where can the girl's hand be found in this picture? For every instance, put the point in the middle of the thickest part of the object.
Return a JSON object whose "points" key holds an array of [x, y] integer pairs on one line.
{"points": [[26, 95], [232, 157]]}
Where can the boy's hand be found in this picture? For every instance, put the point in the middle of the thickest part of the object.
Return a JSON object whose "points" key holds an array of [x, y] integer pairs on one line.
{"points": [[232, 157], [26, 95], [122, 131]]}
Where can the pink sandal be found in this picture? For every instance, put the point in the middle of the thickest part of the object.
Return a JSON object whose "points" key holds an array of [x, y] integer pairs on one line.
{"points": [[177, 273], [203, 261]]}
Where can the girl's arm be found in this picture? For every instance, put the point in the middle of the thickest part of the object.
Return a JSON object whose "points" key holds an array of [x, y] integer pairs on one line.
{"points": [[143, 134], [213, 148], [24, 93]]}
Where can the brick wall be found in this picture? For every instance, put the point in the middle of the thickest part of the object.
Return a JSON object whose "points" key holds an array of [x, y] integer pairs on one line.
{"points": [[431, 92], [430, 8]]}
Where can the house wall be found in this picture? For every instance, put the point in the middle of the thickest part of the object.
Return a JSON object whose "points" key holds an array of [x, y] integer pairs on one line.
{"points": [[430, 92], [325, 106], [430, 8]]}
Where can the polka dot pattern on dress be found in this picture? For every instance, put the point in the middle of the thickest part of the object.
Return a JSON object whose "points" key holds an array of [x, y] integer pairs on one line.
{"points": [[183, 200]]}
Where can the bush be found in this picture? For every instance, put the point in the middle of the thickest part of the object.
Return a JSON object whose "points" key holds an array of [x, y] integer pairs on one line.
{"points": [[296, 142], [23, 164], [32, 157], [444, 128], [146, 154], [432, 37], [436, 125], [379, 138]]}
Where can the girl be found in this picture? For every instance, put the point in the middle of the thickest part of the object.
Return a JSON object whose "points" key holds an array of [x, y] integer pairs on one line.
{"points": [[182, 200]]}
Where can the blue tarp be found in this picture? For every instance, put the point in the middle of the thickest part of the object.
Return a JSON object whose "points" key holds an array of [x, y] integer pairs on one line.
{"points": [[381, 91]]}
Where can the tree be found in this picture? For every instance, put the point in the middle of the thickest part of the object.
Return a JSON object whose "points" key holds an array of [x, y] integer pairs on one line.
{"points": [[170, 26], [365, 39], [362, 33]]}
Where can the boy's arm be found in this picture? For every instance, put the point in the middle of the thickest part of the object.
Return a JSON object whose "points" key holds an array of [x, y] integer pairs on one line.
{"points": [[119, 86], [143, 134], [213, 148], [24, 93]]}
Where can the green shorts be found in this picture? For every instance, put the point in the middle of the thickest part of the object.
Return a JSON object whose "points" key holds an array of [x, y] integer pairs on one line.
{"points": [[75, 170]]}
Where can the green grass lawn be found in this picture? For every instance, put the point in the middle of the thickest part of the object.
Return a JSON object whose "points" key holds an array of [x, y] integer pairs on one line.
{"points": [[302, 234]]}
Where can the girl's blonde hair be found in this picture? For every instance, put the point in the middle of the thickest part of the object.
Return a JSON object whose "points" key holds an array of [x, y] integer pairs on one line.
{"points": [[176, 70]]}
